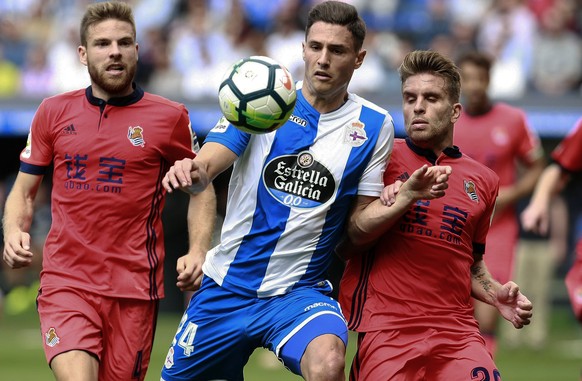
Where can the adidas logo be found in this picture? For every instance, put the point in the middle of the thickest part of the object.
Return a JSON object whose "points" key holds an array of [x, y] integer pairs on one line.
{"points": [[70, 130]]}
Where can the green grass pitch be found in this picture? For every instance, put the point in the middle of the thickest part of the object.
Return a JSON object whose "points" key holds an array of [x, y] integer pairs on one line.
{"points": [[22, 359]]}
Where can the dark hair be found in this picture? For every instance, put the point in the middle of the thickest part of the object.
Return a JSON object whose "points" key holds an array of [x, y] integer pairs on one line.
{"points": [[479, 59], [427, 61], [102, 11], [338, 13]]}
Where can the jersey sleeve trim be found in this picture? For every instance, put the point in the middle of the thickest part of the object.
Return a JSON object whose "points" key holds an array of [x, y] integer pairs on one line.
{"points": [[32, 169]]}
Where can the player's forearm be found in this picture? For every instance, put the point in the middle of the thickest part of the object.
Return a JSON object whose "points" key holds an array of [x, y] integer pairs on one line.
{"points": [[376, 218], [18, 212], [201, 220], [483, 286], [550, 183]]}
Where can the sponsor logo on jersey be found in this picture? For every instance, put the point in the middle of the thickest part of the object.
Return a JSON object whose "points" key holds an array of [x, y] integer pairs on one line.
{"points": [[69, 130], [27, 151], [355, 134], [403, 177], [52, 338], [135, 136], [471, 190], [221, 125], [297, 120], [299, 180], [319, 304]]}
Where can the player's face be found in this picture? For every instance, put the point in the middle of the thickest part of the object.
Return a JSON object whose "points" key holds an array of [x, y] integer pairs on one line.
{"points": [[330, 60], [429, 114], [474, 84], [111, 58]]}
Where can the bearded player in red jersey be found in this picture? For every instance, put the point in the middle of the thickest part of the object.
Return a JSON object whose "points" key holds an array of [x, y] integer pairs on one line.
{"points": [[409, 297], [499, 136], [110, 144]]}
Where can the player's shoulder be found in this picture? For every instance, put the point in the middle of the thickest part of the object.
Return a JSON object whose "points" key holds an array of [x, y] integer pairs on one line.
{"points": [[505, 109], [163, 102], [63, 98], [472, 166]]}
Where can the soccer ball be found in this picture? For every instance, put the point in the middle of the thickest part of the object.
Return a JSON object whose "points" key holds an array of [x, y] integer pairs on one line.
{"points": [[257, 94]]}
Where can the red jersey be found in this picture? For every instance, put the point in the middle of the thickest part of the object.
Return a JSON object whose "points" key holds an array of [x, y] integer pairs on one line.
{"points": [[108, 162], [418, 273], [568, 154], [499, 139]]}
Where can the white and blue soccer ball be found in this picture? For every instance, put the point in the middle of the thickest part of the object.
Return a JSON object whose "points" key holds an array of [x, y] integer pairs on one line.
{"points": [[257, 94]]}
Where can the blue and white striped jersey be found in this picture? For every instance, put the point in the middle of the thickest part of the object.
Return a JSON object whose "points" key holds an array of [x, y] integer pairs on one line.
{"points": [[290, 193]]}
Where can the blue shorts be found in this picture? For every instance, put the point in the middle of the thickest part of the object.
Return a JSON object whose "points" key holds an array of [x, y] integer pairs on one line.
{"points": [[220, 330]]}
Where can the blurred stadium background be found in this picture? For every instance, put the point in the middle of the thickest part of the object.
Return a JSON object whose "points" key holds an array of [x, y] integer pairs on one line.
{"points": [[185, 47]]}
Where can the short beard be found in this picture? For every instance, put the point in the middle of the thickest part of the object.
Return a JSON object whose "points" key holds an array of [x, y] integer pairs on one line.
{"points": [[113, 88]]}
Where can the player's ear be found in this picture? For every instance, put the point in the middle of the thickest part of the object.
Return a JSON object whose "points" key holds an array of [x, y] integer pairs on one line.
{"points": [[82, 51], [456, 112], [303, 50], [360, 58]]}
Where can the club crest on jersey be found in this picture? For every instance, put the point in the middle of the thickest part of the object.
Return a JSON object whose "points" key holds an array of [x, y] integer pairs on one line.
{"points": [[355, 134], [52, 338], [299, 180], [169, 358], [135, 136], [471, 190]]}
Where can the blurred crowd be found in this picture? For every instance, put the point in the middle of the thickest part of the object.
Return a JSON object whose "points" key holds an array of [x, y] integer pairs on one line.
{"points": [[187, 45]]}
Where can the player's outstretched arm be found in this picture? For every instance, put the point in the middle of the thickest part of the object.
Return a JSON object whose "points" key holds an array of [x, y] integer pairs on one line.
{"points": [[201, 221], [536, 215], [511, 303], [194, 175], [18, 214], [370, 217]]}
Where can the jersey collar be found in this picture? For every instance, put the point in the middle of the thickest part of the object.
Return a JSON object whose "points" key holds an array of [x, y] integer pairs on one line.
{"points": [[119, 101], [453, 152]]}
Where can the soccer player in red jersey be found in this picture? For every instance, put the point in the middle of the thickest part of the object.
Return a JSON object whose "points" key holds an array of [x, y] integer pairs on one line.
{"points": [[109, 144], [566, 162], [409, 296], [499, 136]]}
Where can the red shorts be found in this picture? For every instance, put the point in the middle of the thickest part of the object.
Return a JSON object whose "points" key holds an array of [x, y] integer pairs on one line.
{"points": [[422, 354], [118, 332]]}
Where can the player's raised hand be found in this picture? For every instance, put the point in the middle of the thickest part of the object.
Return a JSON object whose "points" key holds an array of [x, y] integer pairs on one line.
{"points": [[388, 195], [186, 175], [427, 183], [513, 305], [17, 252]]}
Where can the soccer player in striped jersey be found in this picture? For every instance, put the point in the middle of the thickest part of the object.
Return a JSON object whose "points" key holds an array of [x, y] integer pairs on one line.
{"points": [[409, 296], [265, 283]]}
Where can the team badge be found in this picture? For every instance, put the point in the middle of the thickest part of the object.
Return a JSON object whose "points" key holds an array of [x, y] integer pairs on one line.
{"points": [[169, 359], [52, 338], [135, 136], [499, 136], [355, 134], [471, 190]]}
